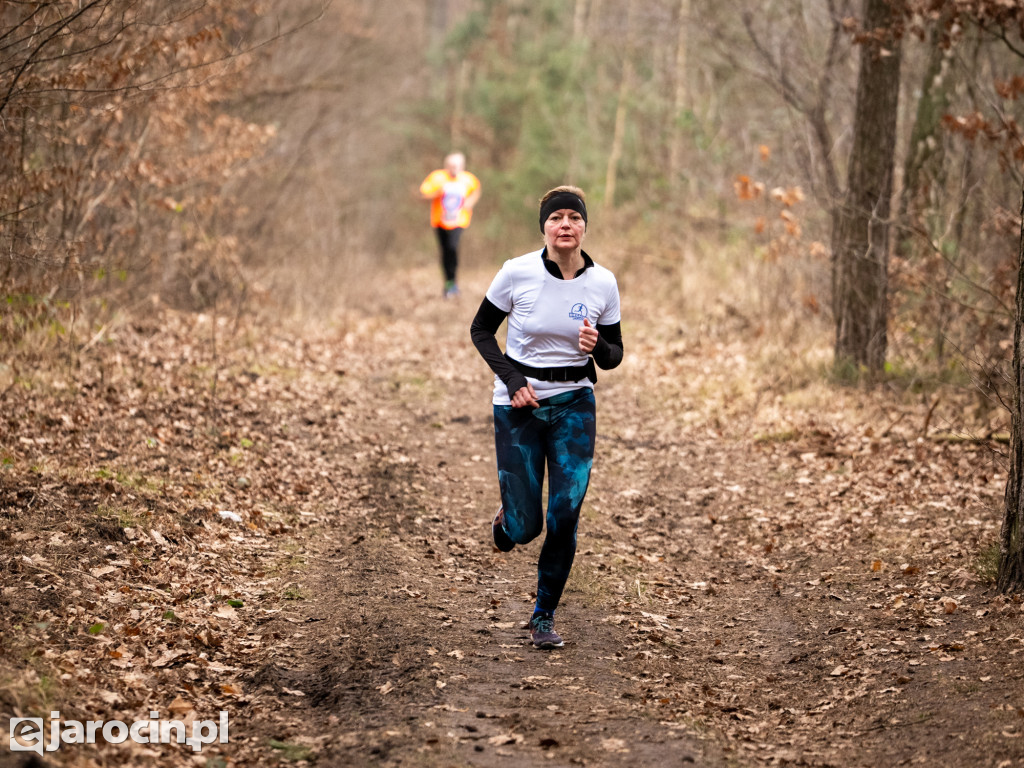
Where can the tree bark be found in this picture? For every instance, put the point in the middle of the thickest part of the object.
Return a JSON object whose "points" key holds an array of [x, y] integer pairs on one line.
{"points": [[925, 166], [860, 228], [612, 170], [459, 107], [579, 17], [1010, 576], [438, 20], [680, 102]]}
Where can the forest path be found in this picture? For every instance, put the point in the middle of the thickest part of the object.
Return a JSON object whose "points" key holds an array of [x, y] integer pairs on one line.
{"points": [[205, 515], [757, 582]]}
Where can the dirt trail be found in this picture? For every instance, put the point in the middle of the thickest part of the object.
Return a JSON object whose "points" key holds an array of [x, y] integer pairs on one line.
{"points": [[741, 597], [418, 652]]}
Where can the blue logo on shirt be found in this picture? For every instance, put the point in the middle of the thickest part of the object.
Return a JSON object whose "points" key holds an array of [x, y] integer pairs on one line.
{"points": [[451, 202], [578, 311]]}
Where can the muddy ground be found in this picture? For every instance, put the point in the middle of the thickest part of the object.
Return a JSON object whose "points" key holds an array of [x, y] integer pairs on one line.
{"points": [[771, 571]]}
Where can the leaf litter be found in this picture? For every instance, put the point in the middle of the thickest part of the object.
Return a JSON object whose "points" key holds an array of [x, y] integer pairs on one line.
{"points": [[305, 545]]}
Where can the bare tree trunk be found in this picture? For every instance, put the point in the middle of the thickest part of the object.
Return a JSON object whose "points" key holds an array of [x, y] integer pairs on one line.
{"points": [[579, 39], [459, 107], [596, 14], [579, 16], [1010, 576], [681, 96], [620, 114], [860, 224], [438, 20], [924, 169]]}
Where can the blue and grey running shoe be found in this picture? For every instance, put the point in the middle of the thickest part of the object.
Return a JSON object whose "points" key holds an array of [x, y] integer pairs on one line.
{"points": [[542, 630]]}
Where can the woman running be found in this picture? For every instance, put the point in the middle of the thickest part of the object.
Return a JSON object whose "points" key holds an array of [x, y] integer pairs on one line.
{"points": [[563, 316]]}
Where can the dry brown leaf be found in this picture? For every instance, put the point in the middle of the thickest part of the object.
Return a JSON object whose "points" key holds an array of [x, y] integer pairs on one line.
{"points": [[167, 657], [614, 745], [503, 739], [179, 706]]}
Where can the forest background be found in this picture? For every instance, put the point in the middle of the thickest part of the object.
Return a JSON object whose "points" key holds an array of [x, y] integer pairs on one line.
{"points": [[206, 156], [258, 162], [264, 155]]}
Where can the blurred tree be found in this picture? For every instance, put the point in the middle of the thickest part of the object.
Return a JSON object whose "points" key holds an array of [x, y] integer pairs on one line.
{"points": [[924, 199], [803, 61], [924, 166], [334, 197], [621, 107], [525, 105], [680, 96], [115, 145]]}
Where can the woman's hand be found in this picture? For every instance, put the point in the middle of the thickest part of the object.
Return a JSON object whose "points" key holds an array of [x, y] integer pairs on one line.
{"points": [[525, 396], [588, 337]]}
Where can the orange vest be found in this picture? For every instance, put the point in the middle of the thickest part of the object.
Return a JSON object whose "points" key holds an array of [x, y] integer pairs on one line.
{"points": [[447, 206]]}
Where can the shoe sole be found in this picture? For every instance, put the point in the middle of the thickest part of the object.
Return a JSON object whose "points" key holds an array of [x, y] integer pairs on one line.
{"points": [[496, 532], [549, 646]]}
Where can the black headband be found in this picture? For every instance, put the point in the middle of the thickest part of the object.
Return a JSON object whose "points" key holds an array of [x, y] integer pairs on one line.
{"points": [[559, 201]]}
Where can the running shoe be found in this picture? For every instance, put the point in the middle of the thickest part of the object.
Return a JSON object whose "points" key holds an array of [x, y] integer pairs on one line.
{"points": [[501, 539], [542, 630], [451, 290]]}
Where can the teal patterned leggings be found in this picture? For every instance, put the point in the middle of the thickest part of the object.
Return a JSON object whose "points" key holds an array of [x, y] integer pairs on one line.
{"points": [[560, 435]]}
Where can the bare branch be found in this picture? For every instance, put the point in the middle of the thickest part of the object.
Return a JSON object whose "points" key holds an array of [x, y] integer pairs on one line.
{"points": [[53, 34]]}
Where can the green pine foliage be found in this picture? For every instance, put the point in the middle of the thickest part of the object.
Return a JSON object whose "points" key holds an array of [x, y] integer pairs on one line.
{"points": [[537, 109]]}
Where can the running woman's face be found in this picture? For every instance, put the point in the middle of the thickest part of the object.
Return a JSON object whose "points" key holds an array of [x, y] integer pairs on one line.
{"points": [[564, 230]]}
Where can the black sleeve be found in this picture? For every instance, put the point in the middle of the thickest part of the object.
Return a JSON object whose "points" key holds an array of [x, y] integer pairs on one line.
{"points": [[608, 351], [486, 323]]}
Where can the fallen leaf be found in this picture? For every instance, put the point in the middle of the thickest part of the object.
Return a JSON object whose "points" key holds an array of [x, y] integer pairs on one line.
{"points": [[506, 738], [614, 745], [179, 706], [109, 697], [167, 657]]}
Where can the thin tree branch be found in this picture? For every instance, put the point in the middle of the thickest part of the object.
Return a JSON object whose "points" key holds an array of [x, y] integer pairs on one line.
{"points": [[30, 59]]}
